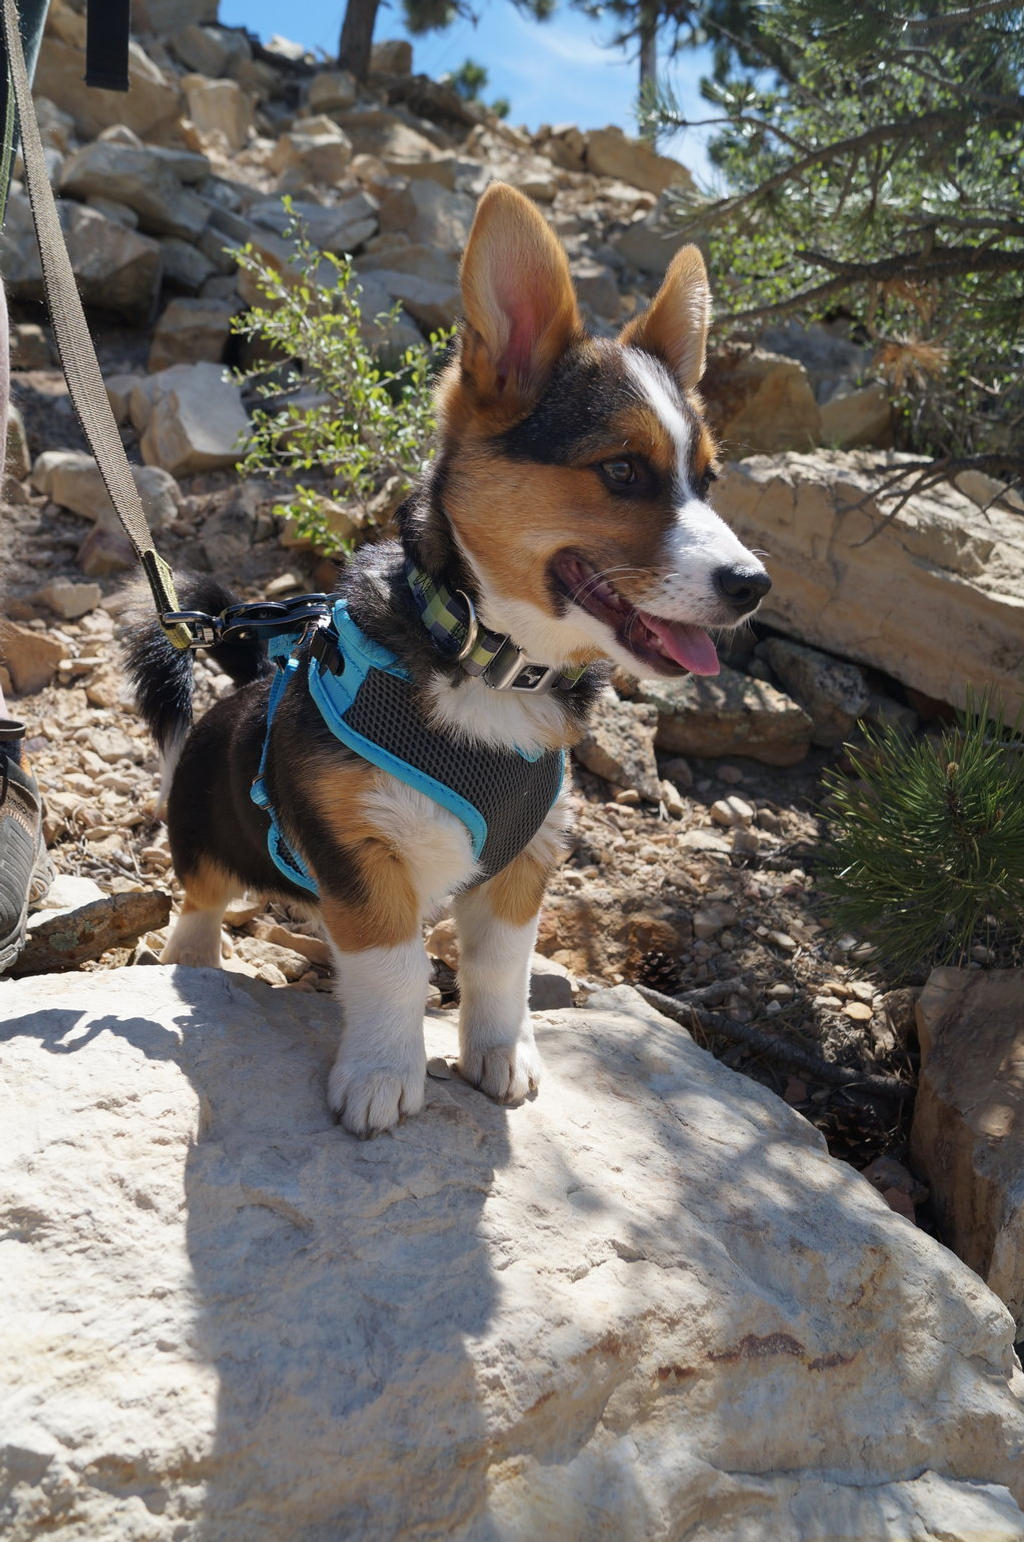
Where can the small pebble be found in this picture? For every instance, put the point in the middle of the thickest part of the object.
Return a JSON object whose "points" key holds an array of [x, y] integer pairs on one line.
{"points": [[859, 1011], [439, 1069], [730, 774], [732, 811], [780, 991], [627, 797], [672, 798], [783, 940]]}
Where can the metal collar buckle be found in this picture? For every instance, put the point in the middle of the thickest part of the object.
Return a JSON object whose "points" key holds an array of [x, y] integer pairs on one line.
{"points": [[511, 670]]}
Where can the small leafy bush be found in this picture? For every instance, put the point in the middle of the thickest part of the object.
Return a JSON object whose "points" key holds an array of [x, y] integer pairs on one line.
{"points": [[330, 408], [927, 851]]}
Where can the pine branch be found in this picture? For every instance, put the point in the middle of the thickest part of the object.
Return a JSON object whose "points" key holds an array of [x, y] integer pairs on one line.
{"points": [[900, 129], [936, 262], [791, 1056]]}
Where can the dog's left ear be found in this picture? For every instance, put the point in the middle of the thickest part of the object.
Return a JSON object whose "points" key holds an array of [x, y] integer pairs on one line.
{"points": [[520, 304], [675, 324]]}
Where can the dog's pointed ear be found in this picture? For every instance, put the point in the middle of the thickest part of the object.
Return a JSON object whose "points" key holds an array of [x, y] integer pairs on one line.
{"points": [[518, 297], [675, 324]]}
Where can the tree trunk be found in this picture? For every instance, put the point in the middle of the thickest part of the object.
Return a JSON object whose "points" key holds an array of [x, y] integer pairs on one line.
{"points": [[648, 30], [357, 37]]}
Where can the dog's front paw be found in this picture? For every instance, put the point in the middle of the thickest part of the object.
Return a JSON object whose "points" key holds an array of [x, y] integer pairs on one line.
{"points": [[369, 1100], [506, 1072]]}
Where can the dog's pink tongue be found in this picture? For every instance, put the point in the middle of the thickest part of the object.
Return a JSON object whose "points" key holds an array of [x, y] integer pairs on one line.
{"points": [[688, 645]]}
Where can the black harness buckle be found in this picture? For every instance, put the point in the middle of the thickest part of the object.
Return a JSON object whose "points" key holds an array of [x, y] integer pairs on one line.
{"points": [[250, 621]]}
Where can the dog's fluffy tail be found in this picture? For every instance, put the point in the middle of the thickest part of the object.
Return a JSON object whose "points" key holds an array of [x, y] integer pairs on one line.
{"points": [[162, 675]]}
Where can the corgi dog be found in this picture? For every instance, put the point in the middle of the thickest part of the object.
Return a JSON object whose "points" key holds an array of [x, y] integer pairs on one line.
{"points": [[567, 509]]}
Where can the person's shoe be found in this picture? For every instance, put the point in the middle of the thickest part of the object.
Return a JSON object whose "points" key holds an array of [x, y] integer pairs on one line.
{"points": [[25, 869]]}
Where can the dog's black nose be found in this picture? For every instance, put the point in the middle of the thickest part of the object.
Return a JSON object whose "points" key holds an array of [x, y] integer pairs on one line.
{"points": [[742, 587]]}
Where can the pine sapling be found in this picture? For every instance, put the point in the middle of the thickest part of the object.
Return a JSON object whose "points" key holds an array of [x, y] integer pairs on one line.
{"points": [[926, 857]]}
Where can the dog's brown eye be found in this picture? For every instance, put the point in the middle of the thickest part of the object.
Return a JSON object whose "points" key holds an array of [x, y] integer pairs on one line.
{"points": [[704, 485], [621, 472]]}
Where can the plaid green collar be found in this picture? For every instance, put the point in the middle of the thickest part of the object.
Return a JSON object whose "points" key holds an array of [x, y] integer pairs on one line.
{"points": [[452, 622]]}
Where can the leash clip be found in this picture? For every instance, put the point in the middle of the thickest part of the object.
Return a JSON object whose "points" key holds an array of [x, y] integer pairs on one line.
{"points": [[203, 630]]}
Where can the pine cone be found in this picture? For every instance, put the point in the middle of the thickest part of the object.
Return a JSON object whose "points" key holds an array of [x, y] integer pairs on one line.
{"points": [[659, 971]]}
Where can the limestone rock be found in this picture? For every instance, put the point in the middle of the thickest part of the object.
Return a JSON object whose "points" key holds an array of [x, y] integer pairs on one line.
{"points": [[209, 50], [31, 658], [423, 261], [433, 305], [161, 16], [135, 176], [332, 91], [69, 600], [105, 551], [644, 1304], [759, 402], [551, 985], [196, 420], [597, 287], [619, 745], [187, 267], [190, 331], [116, 269], [967, 1138], [150, 105], [611, 153], [219, 107], [338, 228], [727, 714], [932, 594], [834, 694], [430, 215], [392, 56], [651, 240], [315, 148], [565, 145], [851, 419], [72, 479], [30, 346]]}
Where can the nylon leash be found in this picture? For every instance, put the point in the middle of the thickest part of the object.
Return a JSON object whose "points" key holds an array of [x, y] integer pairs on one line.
{"points": [[74, 345]]}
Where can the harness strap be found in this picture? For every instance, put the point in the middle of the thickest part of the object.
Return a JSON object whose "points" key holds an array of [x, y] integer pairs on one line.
{"points": [[77, 355], [107, 25], [283, 651]]}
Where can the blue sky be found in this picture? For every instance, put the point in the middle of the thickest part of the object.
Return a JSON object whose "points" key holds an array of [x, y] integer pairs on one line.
{"points": [[551, 72]]}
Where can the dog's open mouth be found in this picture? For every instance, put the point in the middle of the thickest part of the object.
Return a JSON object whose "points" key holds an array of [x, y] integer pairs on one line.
{"points": [[666, 647]]}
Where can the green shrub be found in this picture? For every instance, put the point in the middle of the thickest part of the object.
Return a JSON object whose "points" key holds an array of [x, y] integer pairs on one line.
{"points": [[926, 855], [330, 409]]}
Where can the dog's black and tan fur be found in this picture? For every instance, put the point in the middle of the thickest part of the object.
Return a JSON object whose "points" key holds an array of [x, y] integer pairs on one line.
{"points": [[568, 501]]}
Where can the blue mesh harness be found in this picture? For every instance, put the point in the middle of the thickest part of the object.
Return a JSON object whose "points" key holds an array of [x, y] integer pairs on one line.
{"points": [[367, 700]]}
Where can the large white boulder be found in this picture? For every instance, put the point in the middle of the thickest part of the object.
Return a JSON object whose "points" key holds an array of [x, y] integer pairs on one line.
{"points": [[932, 593], [644, 1305]]}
